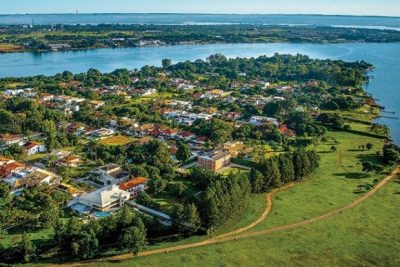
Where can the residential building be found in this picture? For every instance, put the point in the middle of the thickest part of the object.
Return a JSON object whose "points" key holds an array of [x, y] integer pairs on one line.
{"points": [[29, 177], [104, 199], [9, 139], [215, 160], [33, 148], [233, 147], [110, 174], [134, 186], [259, 121]]}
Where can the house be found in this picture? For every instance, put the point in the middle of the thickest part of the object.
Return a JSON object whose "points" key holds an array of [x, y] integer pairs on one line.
{"points": [[233, 115], [103, 132], [167, 132], [33, 148], [145, 92], [73, 191], [201, 140], [108, 198], [283, 129], [9, 139], [96, 103], [233, 147], [134, 186], [8, 166], [185, 135], [70, 161], [29, 177], [110, 174], [215, 160], [259, 121], [5, 160]]}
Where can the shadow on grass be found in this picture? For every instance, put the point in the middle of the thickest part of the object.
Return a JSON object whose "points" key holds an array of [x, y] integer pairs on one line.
{"points": [[352, 175]]}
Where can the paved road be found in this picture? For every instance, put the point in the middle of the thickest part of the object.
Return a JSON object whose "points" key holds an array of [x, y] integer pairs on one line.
{"points": [[232, 235]]}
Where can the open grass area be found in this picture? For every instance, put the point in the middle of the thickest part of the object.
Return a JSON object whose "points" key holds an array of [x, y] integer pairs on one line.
{"points": [[118, 140], [233, 169], [334, 184], [368, 235]]}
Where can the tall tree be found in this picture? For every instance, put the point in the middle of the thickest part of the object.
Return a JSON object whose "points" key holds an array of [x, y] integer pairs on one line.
{"points": [[183, 152]]}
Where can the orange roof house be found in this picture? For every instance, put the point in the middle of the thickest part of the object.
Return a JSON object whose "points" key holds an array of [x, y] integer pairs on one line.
{"points": [[134, 186]]}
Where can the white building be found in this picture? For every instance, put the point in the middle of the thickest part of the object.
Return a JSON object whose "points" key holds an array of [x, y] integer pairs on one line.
{"points": [[104, 199], [259, 121]]}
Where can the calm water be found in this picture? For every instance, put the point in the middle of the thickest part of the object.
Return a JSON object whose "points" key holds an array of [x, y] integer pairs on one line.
{"points": [[386, 57], [199, 19]]}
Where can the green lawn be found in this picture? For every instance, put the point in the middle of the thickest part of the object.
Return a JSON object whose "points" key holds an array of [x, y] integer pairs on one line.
{"points": [[117, 140], [334, 184], [368, 235]]}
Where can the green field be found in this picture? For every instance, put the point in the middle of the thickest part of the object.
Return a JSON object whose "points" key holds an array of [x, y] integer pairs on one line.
{"points": [[368, 235], [118, 140]]}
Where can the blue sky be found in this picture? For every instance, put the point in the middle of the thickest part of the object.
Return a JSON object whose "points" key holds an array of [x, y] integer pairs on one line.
{"points": [[352, 7]]}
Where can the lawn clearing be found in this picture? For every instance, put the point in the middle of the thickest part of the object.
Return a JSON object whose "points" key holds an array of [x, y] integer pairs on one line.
{"points": [[118, 140], [368, 235]]}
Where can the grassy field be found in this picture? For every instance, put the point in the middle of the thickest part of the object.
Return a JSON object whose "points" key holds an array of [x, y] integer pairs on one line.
{"points": [[365, 236], [334, 184], [118, 140]]}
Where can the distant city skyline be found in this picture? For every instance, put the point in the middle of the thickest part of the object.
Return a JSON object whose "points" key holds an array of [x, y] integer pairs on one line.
{"points": [[331, 7]]}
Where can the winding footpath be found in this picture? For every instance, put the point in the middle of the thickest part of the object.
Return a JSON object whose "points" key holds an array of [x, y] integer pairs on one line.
{"points": [[233, 235]]}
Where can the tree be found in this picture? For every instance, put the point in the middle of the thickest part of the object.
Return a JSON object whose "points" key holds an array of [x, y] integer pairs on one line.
{"points": [[191, 218], [4, 191], [178, 188], [272, 109], [286, 168], [133, 239], [256, 180], [157, 186], [367, 166], [27, 249], [183, 152], [369, 146], [166, 63], [391, 153]]}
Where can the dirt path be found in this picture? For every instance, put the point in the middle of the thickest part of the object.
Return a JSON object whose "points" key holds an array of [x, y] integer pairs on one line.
{"points": [[232, 235], [268, 207]]}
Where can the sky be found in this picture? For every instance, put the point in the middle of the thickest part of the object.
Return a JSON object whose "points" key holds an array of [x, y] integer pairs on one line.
{"points": [[336, 7]]}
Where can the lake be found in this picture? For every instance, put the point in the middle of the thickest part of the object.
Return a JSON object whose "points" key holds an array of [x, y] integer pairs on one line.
{"points": [[386, 57]]}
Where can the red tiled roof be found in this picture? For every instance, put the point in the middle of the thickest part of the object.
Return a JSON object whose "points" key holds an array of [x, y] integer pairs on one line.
{"points": [[133, 183]]}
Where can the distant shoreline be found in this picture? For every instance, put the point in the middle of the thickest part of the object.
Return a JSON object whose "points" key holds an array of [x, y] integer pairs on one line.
{"points": [[200, 14]]}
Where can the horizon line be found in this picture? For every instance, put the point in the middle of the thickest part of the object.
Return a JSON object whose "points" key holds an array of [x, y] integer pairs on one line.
{"points": [[199, 13]]}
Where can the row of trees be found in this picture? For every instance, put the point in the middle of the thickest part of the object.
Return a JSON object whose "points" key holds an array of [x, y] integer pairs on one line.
{"points": [[222, 199], [282, 169]]}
